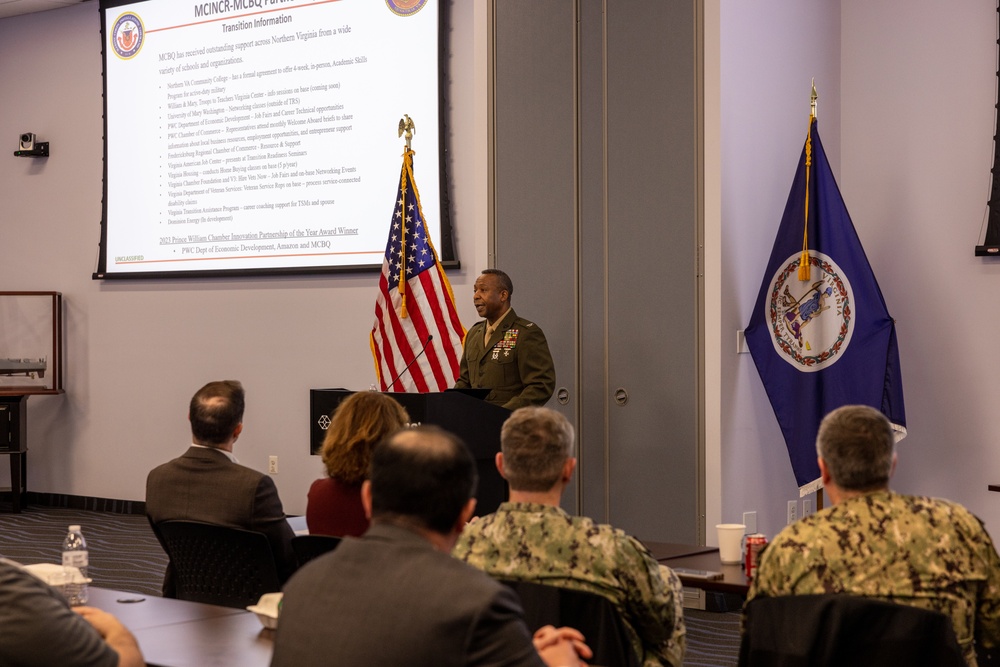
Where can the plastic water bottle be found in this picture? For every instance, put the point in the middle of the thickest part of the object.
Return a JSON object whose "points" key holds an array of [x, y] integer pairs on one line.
{"points": [[74, 554]]}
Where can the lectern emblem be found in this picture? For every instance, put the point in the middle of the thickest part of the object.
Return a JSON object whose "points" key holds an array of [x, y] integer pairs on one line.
{"points": [[127, 35]]}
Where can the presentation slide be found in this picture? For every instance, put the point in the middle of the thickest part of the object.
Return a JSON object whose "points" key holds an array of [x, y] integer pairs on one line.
{"points": [[262, 136]]}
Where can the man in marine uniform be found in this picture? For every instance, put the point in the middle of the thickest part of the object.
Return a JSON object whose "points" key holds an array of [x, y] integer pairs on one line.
{"points": [[924, 552], [505, 353], [530, 538]]}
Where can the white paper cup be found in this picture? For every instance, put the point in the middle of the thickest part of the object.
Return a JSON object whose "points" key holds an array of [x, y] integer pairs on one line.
{"points": [[730, 542]]}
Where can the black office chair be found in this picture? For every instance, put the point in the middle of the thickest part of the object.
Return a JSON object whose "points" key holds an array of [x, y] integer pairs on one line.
{"points": [[218, 565], [817, 630], [592, 614], [307, 547]]}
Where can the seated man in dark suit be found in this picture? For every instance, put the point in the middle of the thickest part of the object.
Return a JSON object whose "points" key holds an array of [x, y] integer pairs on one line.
{"points": [[207, 484], [925, 552], [395, 596]]}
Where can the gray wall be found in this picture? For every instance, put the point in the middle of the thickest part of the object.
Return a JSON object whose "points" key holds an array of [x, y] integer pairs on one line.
{"points": [[906, 110], [602, 229], [137, 350], [907, 93], [770, 51]]}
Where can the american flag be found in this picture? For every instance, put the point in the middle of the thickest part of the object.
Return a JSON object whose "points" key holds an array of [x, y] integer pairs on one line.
{"points": [[415, 308]]}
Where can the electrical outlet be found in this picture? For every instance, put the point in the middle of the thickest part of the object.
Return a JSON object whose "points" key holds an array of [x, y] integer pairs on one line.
{"points": [[807, 507], [793, 511], [272, 465], [750, 521]]}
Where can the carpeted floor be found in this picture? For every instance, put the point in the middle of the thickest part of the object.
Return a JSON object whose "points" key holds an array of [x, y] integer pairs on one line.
{"points": [[713, 638], [124, 555]]}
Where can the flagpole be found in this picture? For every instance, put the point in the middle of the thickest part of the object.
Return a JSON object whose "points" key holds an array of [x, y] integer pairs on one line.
{"points": [[813, 97], [406, 126]]}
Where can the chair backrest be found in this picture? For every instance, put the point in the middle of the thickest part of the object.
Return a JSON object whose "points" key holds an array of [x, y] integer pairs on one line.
{"points": [[840, 629], [218, 565], [592, 614], [307, 547]]}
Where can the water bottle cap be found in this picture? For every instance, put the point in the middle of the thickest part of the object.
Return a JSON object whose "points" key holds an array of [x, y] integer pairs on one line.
{"points": [[74, 529]]}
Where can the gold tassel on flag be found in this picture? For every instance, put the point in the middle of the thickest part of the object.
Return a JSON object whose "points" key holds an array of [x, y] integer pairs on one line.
{"points": [[804, 258], [804, 261], [407, 127], [407, 170]]}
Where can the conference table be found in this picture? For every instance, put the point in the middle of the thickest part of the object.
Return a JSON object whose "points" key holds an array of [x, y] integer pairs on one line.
{"points": [[177, 633], [694, 557]]}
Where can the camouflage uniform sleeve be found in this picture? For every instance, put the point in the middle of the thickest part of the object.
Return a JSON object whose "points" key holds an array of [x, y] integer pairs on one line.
{"points": [[987, 631], [535, 367], [474, 546], [677, 643], [462, 547], [651, 605], [767, 580], [780, 565]]}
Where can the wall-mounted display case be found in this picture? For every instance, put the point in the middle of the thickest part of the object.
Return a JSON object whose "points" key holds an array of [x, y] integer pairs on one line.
{"points": [[31, 343]]}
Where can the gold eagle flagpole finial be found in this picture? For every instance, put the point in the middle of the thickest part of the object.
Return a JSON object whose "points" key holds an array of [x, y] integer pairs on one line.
{"points": [[407, 125]]}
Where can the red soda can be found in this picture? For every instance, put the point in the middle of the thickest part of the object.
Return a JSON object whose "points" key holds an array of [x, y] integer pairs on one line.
{"points": [[754, 543]]}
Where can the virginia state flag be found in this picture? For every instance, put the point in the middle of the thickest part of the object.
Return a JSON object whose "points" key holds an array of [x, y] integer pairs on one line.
{"points": [[820, 333]]}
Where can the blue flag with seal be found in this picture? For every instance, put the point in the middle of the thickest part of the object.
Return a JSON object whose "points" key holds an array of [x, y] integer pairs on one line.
{"points": [[820, 334]]}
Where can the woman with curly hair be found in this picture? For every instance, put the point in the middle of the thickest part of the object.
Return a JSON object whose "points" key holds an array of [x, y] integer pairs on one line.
{"points": [[359, 422]]}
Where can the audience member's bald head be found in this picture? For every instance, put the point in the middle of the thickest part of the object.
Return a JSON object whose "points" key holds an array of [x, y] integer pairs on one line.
{"points": [[422, 475], [215, 412]]}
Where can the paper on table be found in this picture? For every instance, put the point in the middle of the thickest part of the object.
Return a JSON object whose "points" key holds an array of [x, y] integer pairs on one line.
{"points": [[268, 609], [57, 575]]}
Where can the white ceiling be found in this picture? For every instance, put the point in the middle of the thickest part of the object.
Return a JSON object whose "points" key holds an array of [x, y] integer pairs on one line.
{"points": [[17, 7]]}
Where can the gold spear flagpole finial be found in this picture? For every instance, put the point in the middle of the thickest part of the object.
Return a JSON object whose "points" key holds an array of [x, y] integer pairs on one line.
{"points": [[407, 125], [812, 100]]}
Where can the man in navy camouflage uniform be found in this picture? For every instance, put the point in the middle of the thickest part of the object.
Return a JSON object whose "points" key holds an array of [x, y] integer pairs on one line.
{"points": [[532, 539], [924, 552]]}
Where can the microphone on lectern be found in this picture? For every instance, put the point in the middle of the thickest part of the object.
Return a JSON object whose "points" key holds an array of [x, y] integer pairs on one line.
{"points": [[423, 349]]}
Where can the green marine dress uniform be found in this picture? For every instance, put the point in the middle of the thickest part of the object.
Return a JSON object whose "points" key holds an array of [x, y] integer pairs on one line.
{"points": [[543, 544], [515, 363], [924, 552]]}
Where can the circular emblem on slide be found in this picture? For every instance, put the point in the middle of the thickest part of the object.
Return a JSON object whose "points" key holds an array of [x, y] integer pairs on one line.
{"points": [[811, 322], [405, 7], [127, 35]]}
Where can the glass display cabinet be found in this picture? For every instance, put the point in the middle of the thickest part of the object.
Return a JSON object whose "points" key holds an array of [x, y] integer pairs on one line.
{"points": [[31, 362], [31, 343]]}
